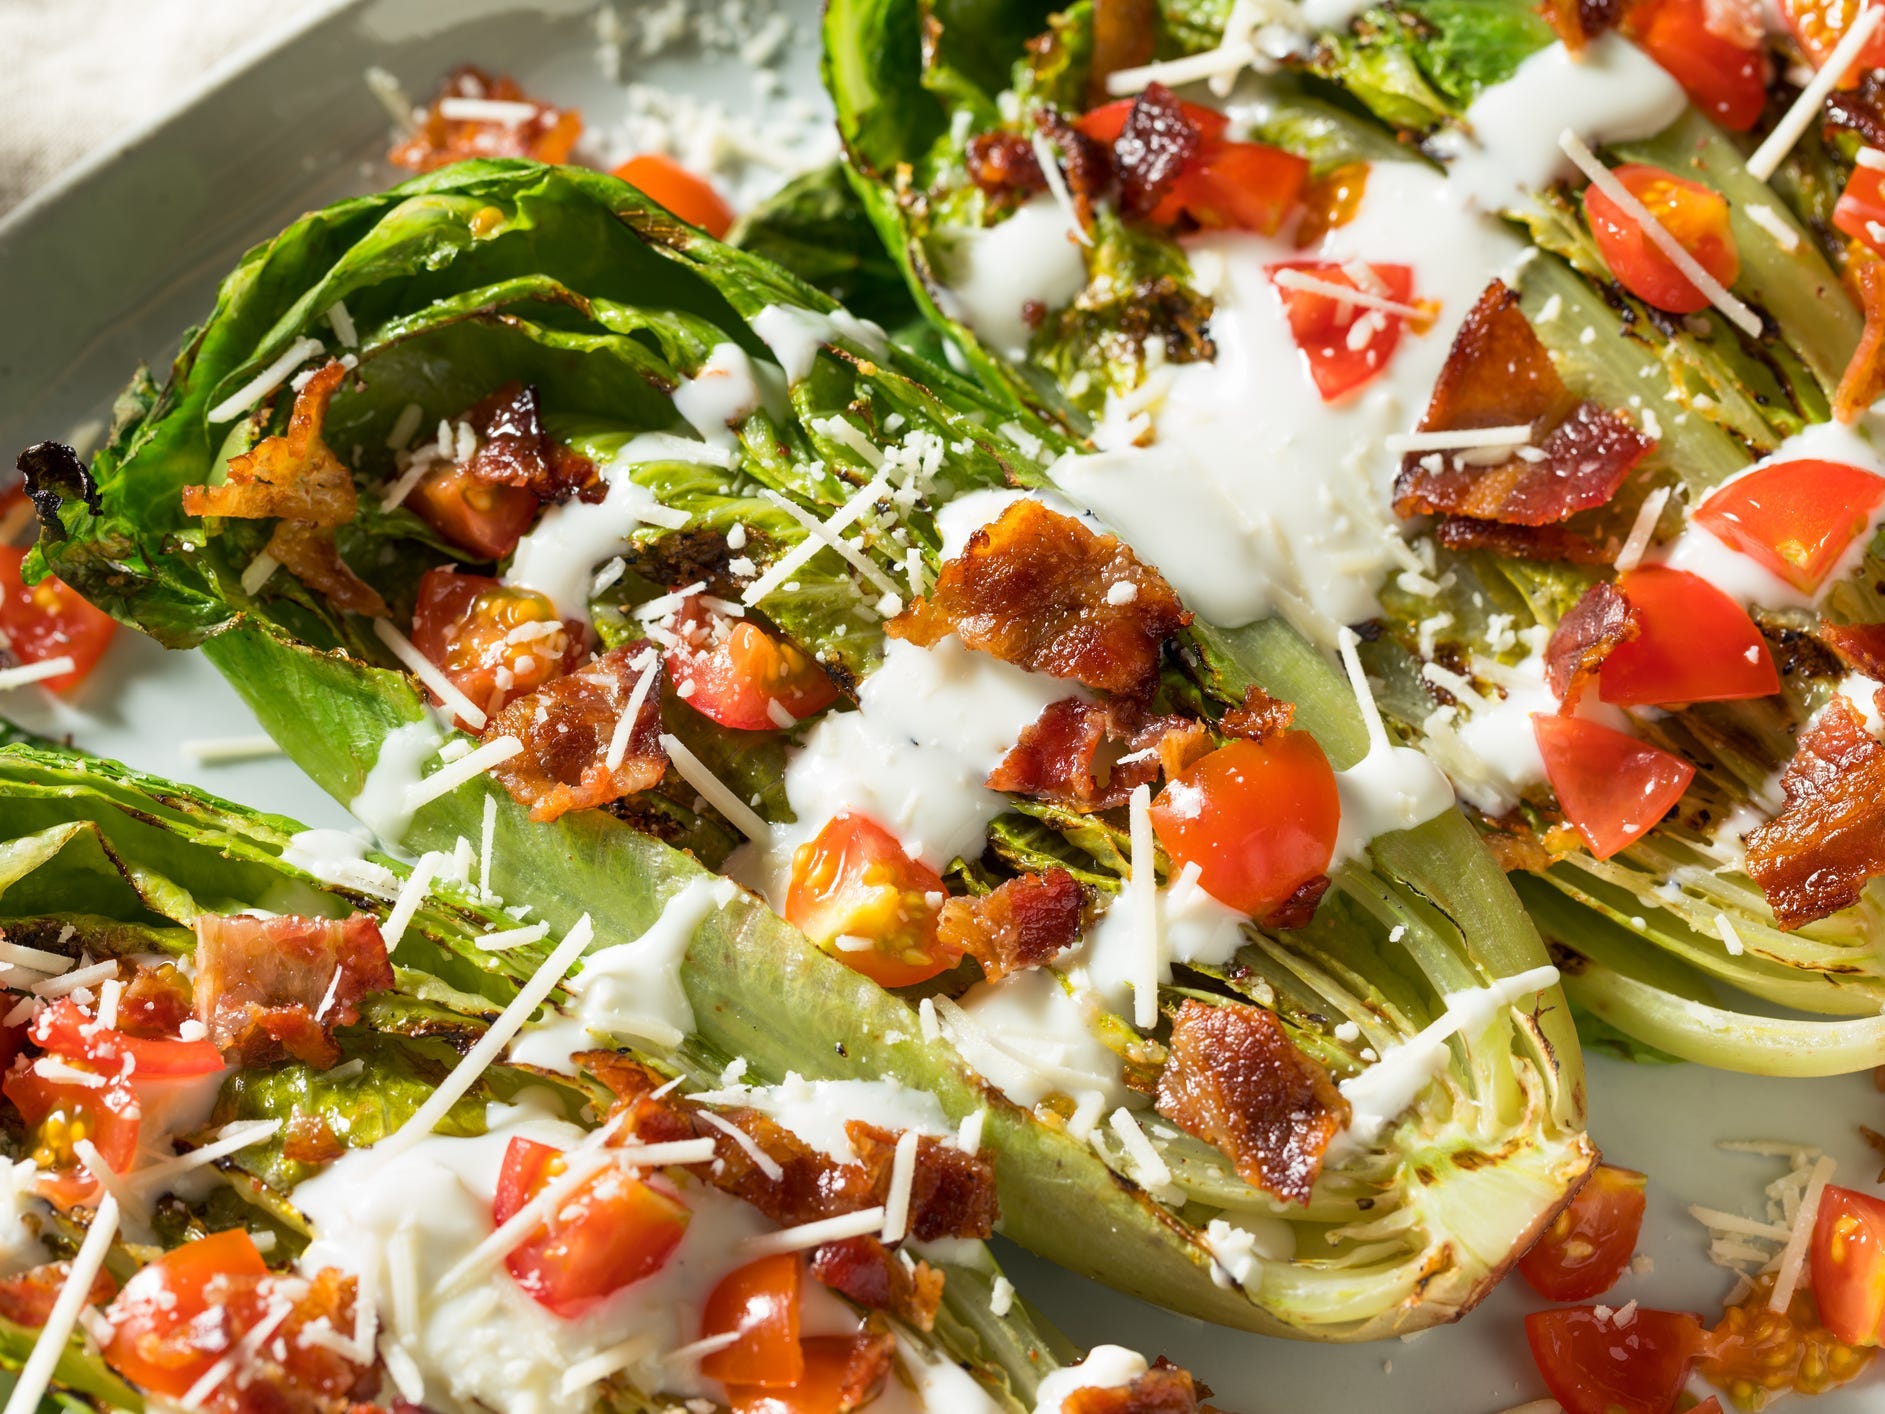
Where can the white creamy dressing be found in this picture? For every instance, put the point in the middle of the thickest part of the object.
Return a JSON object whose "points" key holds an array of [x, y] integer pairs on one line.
{"points": [[992, 273], [818, 1110], [1105, 1367], [1190, 926], [20, 1248], [728, 388], [1030, 1038], [338, 857], [558, 556], [381, 804], [1862, 692], [1391, 788], [1491, 751], [796, 335]]}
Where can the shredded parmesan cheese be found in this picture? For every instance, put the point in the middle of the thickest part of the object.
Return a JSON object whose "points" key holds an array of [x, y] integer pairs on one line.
{"points": [[1795, 121], [902, 1185], [625, 724], [259, 571], [36, 1374], [411, 895], [1793, 1257], [487, 839], [34, 959], [450, 778], [424, 669], [1153, 1172], [1226, 59], [1291, 279], [766, 1164], [694, 771], [969, 1135], [1142, 886], [814, 1234], [1459, 440], [789, 563], [1049, 163], [1643, 529], [35, 672], [210, 751]]}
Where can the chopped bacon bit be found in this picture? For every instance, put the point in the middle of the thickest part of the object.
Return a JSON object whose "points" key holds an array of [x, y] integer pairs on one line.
{"points": [[1599, 623], [27, 1299], [953, 1194], [1498, 374], [1152, 149], [1299, 908], [1258, 717], [1815, 856], [1025, 922], [1039, 589], [308, 1139], [1124, 36], [298, 480], [273, 987], [1163, 1389], [1864, 379], [1089, 756], [1860, 647], [546, 135], [1087, 165], [1520, 542], [514, 450], [873, 1276], [1578, 22], [1004, 166], [866, 1368], [566, 726], [287, 1374], [156, 999], [1235, 1080]]}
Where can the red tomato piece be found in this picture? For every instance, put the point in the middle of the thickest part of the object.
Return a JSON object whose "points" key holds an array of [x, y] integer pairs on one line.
{"points": [[50, 621], [820, 1389], [855, 882], [64, 1029], [465, 624], [1258, 818], [1860, 210], [689, 197], [761, 1302], [1597, 1365], [1689, 211], [1848, 1264], [739, 671], [1798, 518], [1589, 1244], [1694, 644], [1105, 123], [1343, 344], [154, 1342], [1819, 25], [1724, 77], [63, 1112], [482, 518], [1248, 186], [1613, 788], [612, 1231]]}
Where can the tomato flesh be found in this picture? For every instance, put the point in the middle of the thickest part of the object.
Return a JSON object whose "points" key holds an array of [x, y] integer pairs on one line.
{"points": [[1848, 1264], [1694, 644], [1259, 819], [1613, 787], [1819, 25], [1798, 518], [61, 1113], [464, 623], [1860, 210], [740, 674], [1689, 211], [1725, 79], [612, 1231], [65, 1029], [48, 621], [1105, 123], [854, 884], [760, 1301], [1344, 345], [152, 1318], [482, 518], [1590, 1243], [689, 197], [1599, 1365], [820, 1389], [1247, 186]]}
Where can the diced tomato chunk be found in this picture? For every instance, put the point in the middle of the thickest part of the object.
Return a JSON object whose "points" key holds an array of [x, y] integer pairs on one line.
{"points": [[689, 197], [65, 1029], [823, 1387], [1725, 75], [152, 1320], [1613, 787], [1696, 216], [1798, 518], [49, 621], [1344, 344], [1860, 210], [1694, 644], [1247, 186], [1848, 1264], [743, 677], [1105, 123], [1259, 819], [482, 518], [1589, 1244], [1819, 25], [60, 1113], [857, 894], [495, 643], [759, 1302], [613, 1230], [1617, 1362]]}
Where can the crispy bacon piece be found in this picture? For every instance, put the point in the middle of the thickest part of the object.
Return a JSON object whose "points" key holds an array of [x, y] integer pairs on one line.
{"points": [[514, 450], [273, 987], [866, 1368], [1498, 374], [868, 1272], [1864, 379], [1235, 1080], [289, 1374], [297, 480], [1813, 858], [1860, 647], [1086, 165], [1025, 922], [546, 134], [1163, 1389], [27, 1299], [1520, 542], [953, 1193], [1040, 590], [156, 1000], [1578, 22], [1597, 625], [1004, 166], [1152, 149], [1089, 756], [1258, 717], [566, 726], [1299, 908]]}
